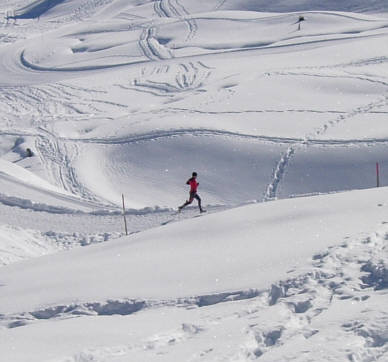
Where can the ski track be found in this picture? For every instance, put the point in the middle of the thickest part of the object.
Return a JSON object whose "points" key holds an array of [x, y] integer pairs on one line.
{"points": [[191, 23], [38, 105], [222, 133], [186, 75], [357, 63], [183, 77], [299, 299], [147, 48], [153, 51], [220, 5], [57, 160], [348, 76], [189, 77], [148, 43], [353, 271], [55, 152], [281, 167], [166, 8], [58, 154]]}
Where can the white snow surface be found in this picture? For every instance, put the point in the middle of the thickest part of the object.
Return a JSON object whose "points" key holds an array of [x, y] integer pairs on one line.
{"points": [[281, 109]]}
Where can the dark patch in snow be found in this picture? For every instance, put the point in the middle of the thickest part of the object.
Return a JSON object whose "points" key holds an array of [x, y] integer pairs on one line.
{"points": [[79, 50], [116, 307], [163, 41], [16, 324], [212, 299], [302, 307], [110, 307], [320, 256], [374, 338], [36, 9], [377, 276], [272, 337], [277, 291]]}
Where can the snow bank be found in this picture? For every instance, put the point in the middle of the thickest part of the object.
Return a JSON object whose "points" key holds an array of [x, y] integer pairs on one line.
{"points": [[240, 249], [17, 244], [337, 292]]}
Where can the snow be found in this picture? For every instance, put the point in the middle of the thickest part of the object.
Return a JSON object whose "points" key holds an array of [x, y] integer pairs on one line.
{"points": [[218, 263], [102, 99]]}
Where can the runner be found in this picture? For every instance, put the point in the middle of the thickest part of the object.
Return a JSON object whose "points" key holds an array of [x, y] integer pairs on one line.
{"points": [[193, 193]]}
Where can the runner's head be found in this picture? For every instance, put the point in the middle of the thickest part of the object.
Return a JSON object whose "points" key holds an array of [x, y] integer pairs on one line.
{"points": [[194, 174]]}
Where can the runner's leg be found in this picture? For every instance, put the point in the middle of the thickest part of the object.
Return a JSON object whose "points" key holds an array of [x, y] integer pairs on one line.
{"points": [[188, 202], [199, 201]]}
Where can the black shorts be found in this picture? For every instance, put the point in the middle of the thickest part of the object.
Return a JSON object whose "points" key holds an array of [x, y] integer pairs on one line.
{"points": [[194, 195]]}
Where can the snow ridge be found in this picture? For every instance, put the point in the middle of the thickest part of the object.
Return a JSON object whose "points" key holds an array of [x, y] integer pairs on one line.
{"points": [[41, 207], [335, 277]]}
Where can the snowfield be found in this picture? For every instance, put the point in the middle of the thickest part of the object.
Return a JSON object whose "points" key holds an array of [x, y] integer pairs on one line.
{"points": [[279, 106]]}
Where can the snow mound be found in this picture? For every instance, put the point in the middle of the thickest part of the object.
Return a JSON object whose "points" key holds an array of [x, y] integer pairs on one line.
{"points": [[271, 238]]}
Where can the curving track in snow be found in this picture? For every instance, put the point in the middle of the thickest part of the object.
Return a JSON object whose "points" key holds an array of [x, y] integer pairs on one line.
{"points": [[19, 65], [183, 78], [311, 138], [130, 101]]}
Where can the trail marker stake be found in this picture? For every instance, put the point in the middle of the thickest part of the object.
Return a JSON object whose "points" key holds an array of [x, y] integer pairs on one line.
{"points": [[377, 174], [125, 219]]}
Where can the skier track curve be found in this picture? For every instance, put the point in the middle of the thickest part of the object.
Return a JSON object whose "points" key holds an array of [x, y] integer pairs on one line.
{"points": [[19, 70], [281, 167]]}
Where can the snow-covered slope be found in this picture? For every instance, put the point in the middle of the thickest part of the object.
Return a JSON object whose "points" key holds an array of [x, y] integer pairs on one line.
{"points": [[255, 92], [248, 247], [266, 101], [293, 265]]}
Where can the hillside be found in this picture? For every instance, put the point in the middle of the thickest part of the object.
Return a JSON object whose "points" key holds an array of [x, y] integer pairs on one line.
{"points": [[281, 109]]}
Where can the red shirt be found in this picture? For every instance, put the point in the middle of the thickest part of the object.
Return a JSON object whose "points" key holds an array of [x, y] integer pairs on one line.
{"points": [[193, 184]]}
